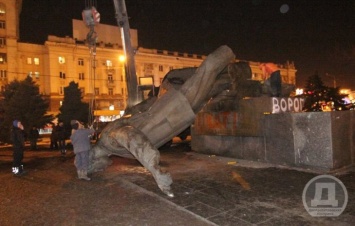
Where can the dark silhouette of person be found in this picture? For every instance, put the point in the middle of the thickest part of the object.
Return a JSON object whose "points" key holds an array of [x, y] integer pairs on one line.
{"points": [[60, 130], [18, 144], [54, 138], [33, 137]]}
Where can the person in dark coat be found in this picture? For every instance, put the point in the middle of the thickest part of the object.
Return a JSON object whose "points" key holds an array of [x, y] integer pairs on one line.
{"points": [[60, 130], [54, 138], [18, 144], [272, 78], [33, 137]]}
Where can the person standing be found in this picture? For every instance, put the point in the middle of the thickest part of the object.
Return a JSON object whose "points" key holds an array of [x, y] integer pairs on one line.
{"points": [[80, 139], [60, 130], [18, 144], [33, 137], [272, 78], [54, 140]]}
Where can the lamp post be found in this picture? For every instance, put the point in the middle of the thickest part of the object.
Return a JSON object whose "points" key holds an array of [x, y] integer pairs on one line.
{"points": [[122, 60]]}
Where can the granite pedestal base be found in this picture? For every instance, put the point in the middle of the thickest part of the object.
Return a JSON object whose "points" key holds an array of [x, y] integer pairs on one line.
{"points": [[323, 141]]}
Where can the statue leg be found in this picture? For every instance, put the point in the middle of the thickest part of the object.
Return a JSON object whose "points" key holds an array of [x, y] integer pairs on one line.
{"points": [[145, 152]]}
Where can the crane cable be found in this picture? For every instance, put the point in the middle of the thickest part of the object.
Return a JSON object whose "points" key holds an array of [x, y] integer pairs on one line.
{"points": [[91, 17]]}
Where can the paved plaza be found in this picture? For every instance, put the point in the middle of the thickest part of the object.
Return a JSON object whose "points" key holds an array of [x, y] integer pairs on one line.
{"points": [[209, 190]]}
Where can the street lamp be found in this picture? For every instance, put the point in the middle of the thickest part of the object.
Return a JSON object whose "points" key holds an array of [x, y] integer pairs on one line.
{"points": [[122, 60]]}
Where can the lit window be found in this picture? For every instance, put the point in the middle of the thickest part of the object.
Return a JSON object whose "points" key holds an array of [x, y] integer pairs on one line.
{"points": [[30, 74], [36, 74], [61, 60], [2, 9], [108, 63], [81, 61], [61, 103], [2, 59], [29, 60], [36, 61], [81, 76]]}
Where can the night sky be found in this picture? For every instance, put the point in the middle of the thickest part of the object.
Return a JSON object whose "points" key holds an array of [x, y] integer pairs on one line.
{"points": [[318, 35]]}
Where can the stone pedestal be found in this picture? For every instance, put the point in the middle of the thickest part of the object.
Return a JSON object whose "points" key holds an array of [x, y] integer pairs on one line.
{"points": [[323, 140], [314, 140]]}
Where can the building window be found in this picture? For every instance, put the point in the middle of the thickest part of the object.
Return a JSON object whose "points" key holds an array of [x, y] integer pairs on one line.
{"points": [[61, 60], [2, 58], [171, 68], [62, 75], [36, 61], [61, 90], [110, 77], [81, 76], [36, 74], [161, 67], [122, 91], [108, 63], [97, 91], [2, 42], [29, 60], [2, 24], [3, 74], [81, 62], [2, 9], [110, 91]]}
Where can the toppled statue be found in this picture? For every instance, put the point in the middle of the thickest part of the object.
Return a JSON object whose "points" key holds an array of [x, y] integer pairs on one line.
{"points": [[139, 135]]}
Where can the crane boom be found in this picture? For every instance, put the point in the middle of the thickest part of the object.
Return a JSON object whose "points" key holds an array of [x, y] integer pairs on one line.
{"points": [[122, 21]]}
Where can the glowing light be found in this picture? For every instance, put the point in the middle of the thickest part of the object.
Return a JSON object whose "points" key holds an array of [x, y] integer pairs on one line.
{"points": [[284, 8], [122, 58], [299, 91]]}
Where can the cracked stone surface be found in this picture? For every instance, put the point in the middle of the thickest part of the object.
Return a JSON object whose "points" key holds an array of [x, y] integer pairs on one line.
{"points": [[209, 190]]}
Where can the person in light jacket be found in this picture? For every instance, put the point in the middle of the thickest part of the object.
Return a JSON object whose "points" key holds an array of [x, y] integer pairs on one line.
{"points": [[80, 139]]}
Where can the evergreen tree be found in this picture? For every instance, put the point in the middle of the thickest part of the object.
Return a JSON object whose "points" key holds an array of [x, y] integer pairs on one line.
{"points": [[22, 101], [73, 107], [317, 94]]}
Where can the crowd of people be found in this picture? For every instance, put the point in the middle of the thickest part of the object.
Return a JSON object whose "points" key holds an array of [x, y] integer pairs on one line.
{"points": [[80, 138]]}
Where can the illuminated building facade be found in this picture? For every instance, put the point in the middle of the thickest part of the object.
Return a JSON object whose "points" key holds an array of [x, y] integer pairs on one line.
{"points": [[101, 76]]}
